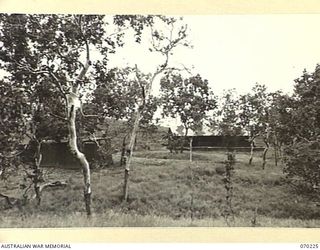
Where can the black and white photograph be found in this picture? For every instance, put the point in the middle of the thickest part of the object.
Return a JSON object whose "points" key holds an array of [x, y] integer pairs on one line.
{"points": [[159, 120]]}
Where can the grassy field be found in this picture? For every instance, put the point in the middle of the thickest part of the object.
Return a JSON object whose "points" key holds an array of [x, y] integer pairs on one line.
{"points": [[166, 190]]}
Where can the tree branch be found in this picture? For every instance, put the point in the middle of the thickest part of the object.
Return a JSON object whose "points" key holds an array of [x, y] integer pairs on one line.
{"points": [[305, 139], [141, 86], [251, 139], [12, 201], [87, 64], [14, 155], [8, 199], [118, 31], [58, 116], [62, 184], [94, 139], [43, 72], [82, 113]]}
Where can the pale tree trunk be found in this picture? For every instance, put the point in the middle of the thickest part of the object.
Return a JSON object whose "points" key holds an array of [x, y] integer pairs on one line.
{"points": [[146, 90], [190, 145], [2, 166], [37, 175], [129, 155], [80, 156], [275, 148], [264, 156], [251, 150], [252, 146], [123, 152], [73, 103]]}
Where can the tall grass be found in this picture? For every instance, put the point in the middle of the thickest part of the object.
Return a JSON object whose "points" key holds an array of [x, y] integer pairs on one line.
{"points": [[160, 195], [114, 219]]}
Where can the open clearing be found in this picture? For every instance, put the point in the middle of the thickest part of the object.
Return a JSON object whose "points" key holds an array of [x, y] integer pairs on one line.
{"points": [[165, 190]]}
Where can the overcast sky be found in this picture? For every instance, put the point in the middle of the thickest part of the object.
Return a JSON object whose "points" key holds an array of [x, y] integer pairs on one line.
{"points": [[235, 51]]}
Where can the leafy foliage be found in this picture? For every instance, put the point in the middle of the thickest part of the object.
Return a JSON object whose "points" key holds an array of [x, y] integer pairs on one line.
{"points": [[300, 121], [43, 55], [186, 98], [301, 113], [49, 56], [254, 110], [118, 93], [303, 160], [225, 120], [13, 123], [13, 119]]}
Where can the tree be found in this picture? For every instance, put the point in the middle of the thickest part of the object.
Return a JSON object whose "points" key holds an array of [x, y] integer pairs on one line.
{"points": [[26, 119], [13, 124], [302, 108], [164, 40], [281, 110], [116, 97], [254, 117], [300, 123], [180, 129], [40, 48], [56, 50], [277, 107], [45, 123], [187, 98], [225, 120]]}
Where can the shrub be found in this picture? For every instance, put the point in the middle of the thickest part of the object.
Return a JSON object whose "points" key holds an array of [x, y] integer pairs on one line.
{"points": [[302, 160]]}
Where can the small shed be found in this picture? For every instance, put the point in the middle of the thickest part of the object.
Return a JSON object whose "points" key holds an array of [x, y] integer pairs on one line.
{"points": [[57, 154]]}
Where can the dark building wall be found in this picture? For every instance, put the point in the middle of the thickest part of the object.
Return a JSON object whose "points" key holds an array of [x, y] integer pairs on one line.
{"points": [[205, 142], [220, 141], [58, 155]]}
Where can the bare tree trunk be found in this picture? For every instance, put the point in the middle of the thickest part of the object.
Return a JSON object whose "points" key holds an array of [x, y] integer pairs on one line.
{"points": [[123, 152], [129, 155], [275, 155], [264, 156], [37, 174], [190, 143], [275, 147], [252, 145], [251, 151], [2, 170], [80, 156], [184, 140]]}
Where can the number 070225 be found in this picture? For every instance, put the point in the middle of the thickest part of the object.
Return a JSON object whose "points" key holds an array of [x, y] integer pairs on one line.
{"points": [[309, 246]]}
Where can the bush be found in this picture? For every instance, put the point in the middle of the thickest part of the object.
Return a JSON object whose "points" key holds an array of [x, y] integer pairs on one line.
{"points": [[302, 160]]}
